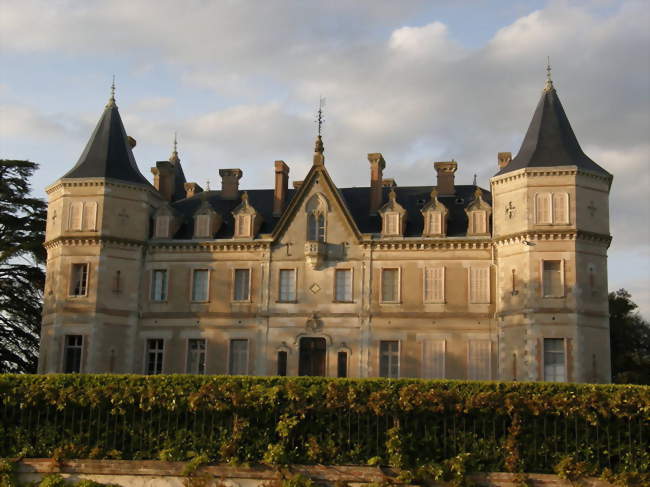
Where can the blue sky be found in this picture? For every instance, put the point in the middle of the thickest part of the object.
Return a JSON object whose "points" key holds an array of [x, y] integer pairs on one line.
{"points": [[417, 81]]}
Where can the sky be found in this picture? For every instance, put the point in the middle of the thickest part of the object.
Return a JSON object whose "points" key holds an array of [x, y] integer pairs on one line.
{"points": [[418, 81]]}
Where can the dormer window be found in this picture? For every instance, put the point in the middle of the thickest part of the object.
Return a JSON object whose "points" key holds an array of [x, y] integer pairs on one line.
{"points": [[393, 217], [435, 217], [202, 226], [478, 214], [162, 226], [247, 219], [206, 221]]}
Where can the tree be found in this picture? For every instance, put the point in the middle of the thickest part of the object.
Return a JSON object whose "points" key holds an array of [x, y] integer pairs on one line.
{"points": [[630, 340], [22, 232]]}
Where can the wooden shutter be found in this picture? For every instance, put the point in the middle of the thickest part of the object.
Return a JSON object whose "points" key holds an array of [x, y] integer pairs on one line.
{"points": [[433, 359], [479, 360], [561, 208], [543, 208], [478, 222], [434, 284], [479, 285]]}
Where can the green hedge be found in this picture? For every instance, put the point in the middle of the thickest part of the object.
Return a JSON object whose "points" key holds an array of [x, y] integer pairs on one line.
{"points": [[489, 426]]}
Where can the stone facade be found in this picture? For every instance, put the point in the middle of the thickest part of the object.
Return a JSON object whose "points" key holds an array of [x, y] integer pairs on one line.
{"points": [[439, 281]]}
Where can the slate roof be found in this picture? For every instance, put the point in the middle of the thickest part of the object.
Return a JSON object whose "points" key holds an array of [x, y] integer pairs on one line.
{"points": [[550, 140], [107, 153], [412, 198]]}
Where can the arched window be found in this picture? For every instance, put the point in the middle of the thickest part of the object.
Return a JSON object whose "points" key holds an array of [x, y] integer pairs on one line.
{"points": [[317, 209]]}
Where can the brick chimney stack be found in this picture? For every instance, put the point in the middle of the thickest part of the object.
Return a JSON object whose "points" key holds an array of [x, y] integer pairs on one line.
{"points": [[446, 172], [164, 177], [281, 187], [230, 183], [377, 166]]}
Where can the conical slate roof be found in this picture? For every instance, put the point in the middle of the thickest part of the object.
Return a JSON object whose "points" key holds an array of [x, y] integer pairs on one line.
{"points": [[550, 140], [108, 154]]}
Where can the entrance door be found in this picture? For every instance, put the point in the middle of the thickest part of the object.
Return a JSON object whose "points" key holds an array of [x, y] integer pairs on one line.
{"points": [[312, 356]]}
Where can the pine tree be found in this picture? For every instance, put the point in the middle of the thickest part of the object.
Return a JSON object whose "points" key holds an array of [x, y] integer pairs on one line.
{"points": [[22, 232]]}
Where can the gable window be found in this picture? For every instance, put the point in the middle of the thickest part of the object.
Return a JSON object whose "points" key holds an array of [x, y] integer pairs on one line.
{"points": [[390, 286], [200, 284], [238, 363], [342, 364], [479, 222], [552, 281], [479, 360], [433, 359], [287, 288], [79, 280], [162, 226], [202, 226], [159, 285], [243, 226], [434, 284], [554, 360], [72, 354], [479, 285], [282, 363], [434, 223], [242, 285], [154, 356], [389, 359], [316, 227], [343, 285], [195, 356]]}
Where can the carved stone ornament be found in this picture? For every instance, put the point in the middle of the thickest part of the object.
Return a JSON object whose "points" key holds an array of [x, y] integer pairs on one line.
{"points": [[314, 324], [510, 210]]}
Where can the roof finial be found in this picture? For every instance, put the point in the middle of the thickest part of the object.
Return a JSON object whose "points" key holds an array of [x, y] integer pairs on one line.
{"points": [[549, 81], [207, 185], [111, 100], [320, 120], [174, 157], [474, 179]]}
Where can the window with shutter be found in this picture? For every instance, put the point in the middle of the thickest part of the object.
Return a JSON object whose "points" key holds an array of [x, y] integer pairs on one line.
{"points": [[343, 285], [479, 285], [238, 364], [561, 208], [543, 208], [434, 222], [433, 359], [391, 222], [76, 216], [390, 285], [242, 285], [200, 281], [196, 356], [552, 282], [478, 360], [389, 359], [90, 216], [434, 284]]}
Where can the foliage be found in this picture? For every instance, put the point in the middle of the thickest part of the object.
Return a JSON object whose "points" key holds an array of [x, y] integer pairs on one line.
{"points": [[22, 231], [429, 429], [630, 340]]}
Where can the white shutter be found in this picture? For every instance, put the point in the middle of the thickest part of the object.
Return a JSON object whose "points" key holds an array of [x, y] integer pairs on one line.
{"points": [[433, 359], [543, 208], [76, 216], [561, 208], [479, 285], [434, 284], [90, 216], [478, 360]]}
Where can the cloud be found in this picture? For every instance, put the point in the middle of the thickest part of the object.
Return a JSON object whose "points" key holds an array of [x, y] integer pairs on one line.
{"points": [[22, 121], [152, 104]]}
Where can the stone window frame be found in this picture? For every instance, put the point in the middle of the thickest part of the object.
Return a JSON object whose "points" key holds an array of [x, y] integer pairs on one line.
{"points": [[71, 284], [145, 362], [399, 285], [187, 355], [562, 278], [295, 285], [565, 353], [351, 280], [426, 268], [399, 357], [191, 286], [152, 281], [470, 297], [66, 347], [230, 355], [233, 294]]}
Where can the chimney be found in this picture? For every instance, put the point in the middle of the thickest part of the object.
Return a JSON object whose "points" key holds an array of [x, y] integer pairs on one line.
{"points": [[377, 165], [446, 172], [297, 184], [281, 187], [164, 177], [230, 183], [504, 159], [192, 189]]}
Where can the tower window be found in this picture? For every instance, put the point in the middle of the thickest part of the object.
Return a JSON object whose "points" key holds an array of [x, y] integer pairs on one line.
{"points": [[72, 354], [554, 360], [552, 282], [79, 280]]}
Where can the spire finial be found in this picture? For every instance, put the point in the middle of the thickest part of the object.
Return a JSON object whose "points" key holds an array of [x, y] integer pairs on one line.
{"points": [[111, 100], [474, 179], [174, 157], [319, 119], [549, 81]]}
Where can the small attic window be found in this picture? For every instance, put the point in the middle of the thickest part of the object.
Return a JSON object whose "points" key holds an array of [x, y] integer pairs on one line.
{"points": [[243, 225], [460, 200], [202, 225]]}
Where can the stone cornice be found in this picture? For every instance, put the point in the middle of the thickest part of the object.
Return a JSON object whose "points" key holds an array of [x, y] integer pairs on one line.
{"points": [[520, 237], [527, 172], [91, 240], [429, 244], [97, 182], [209, 246]]}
